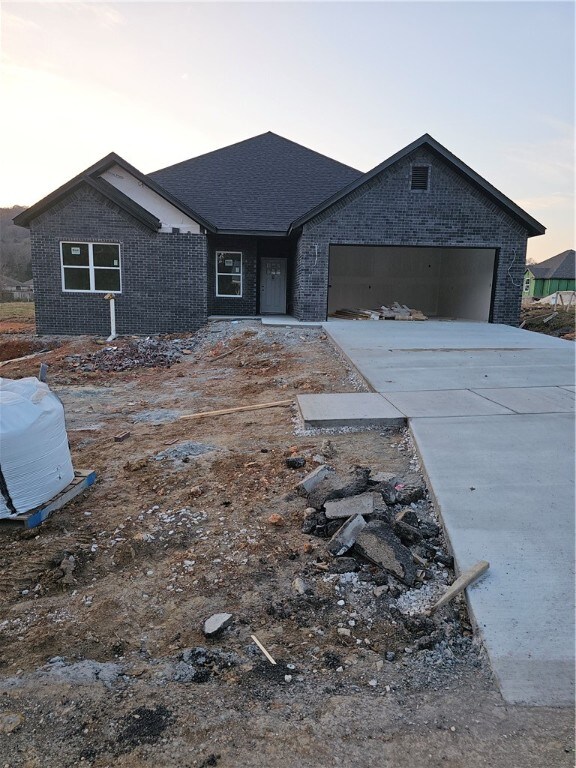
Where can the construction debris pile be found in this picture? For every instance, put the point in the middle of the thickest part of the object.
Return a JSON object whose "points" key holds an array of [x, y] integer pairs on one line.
{"points": [[386, 553], [559, 321], [138, 353], [394, 312]]}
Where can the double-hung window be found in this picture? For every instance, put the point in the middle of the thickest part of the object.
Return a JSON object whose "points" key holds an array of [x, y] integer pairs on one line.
{"points": [[91, 267], [229, 273]]}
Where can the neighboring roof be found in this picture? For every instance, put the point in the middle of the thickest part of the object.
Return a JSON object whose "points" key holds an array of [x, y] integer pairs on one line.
{"points": [[559, 267], [261, 184], [534, 227], [8, 282], [91, 176]]}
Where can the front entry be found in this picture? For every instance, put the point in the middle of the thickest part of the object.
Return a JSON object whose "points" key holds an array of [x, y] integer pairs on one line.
{"points": [[273, 286]]}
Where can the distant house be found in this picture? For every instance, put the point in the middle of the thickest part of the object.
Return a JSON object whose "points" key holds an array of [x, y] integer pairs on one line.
{"points": [[555, 274], [19, 291], [267, 226]]}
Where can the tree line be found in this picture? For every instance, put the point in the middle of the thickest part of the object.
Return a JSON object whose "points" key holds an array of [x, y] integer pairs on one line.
{"points": [[15, 258]]}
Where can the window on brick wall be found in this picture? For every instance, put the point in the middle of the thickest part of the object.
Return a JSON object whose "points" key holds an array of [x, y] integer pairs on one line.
{"points": [[91, 267], [420, 178], [229, 273]]}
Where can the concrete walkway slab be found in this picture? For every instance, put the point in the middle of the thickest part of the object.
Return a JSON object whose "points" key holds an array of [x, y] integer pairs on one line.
{"points": [[504, 483], [532, 399], [524, 607], [447, 402], [348, 410]]}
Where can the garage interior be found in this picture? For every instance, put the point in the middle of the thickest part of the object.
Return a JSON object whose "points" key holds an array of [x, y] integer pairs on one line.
{"points": [[441, 282]]}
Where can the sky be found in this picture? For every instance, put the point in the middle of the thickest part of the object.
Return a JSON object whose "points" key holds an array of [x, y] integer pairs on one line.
{"points": [[160, 82]]}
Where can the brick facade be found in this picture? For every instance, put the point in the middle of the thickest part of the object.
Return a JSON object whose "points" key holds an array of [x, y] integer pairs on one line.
{"points": [[453, 213], [234, 305], [164, 276], [169, 279]]}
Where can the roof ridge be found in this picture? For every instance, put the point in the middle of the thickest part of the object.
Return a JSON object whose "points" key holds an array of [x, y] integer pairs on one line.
{"points": [[250, 140]]}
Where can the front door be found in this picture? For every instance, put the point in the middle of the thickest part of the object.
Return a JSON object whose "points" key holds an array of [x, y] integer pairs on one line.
{"points": [[273, 286]]}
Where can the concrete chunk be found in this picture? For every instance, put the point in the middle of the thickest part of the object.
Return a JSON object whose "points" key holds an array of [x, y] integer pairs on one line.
{"points": [[312, 479], [378, 543], [345, 537], [334, 487], [364, 504], [216, 623]]}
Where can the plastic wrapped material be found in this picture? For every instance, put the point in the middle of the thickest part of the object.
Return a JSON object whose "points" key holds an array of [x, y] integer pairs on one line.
{"points": [[35, 460]]}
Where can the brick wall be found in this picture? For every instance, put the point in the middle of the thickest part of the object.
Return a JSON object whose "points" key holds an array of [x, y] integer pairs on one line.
{"points": [[385, 212], [163, 275], [233, 305]]}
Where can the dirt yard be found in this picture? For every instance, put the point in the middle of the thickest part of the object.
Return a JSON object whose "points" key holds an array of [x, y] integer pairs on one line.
{"points": [[103, 659]]}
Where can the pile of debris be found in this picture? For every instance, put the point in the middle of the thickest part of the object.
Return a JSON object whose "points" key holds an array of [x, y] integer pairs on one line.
{"points": [[394, 312], [381, 520], [137, 353], [559, 322]]}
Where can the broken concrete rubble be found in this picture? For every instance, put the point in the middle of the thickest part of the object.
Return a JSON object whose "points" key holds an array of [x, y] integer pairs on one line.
{"points": [[399, 491], [344, 565], [312, 480], [345, 538], [333, 487], [137, 353], [363, 504], [216, 623], [378, 543], [295, 462]]}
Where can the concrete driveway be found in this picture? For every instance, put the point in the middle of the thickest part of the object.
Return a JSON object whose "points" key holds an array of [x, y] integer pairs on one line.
{"points": [[491, 409]]}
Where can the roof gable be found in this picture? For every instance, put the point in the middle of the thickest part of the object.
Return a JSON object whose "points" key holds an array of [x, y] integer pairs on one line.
{"points": [[261, 184], [91, 176], [532, 226]]}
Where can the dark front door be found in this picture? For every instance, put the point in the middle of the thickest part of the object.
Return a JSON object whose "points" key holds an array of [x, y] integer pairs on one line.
{"points": [[273, 286]]}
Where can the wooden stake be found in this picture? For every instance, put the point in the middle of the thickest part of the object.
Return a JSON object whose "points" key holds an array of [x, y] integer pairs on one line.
{"points": [[264, 651], [277, 404], [461, 583]]}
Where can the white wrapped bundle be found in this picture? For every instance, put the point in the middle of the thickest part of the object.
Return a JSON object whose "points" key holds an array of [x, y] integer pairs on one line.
{"points": [[35, 460]]}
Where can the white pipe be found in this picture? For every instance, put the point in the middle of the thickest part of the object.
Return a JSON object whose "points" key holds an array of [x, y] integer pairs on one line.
{"points": [[110, 297]]}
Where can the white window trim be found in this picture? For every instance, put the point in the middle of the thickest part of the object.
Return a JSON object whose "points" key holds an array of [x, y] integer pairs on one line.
{"points": [[230, 295], [526, 284], [91, 268]]}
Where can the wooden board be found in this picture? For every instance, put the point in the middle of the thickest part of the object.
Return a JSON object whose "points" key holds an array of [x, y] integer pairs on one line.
{"points": [[83, 478], [395, 312]]}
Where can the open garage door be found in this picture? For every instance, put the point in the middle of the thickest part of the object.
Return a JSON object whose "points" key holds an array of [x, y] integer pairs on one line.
{"points": [[442, 282]]}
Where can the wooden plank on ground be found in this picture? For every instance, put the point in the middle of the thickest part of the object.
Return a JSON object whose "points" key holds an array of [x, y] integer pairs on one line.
{"points": [[240, 408]]}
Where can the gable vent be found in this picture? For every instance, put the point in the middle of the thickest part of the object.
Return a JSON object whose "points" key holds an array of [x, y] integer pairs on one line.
{"points": [[420, 178]]}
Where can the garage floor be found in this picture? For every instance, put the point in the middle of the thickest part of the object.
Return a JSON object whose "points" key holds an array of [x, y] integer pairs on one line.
{"points": [[491, 409]]}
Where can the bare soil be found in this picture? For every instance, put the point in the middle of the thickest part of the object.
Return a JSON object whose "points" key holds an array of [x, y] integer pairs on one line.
{"points": [[103, 661]]}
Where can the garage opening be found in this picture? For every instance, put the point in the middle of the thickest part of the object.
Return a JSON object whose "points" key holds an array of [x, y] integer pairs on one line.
{"points": [[442, 282]]}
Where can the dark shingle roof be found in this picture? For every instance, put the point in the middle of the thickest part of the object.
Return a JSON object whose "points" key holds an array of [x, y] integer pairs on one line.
{"points": [[261, 184], [559, 267]]}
